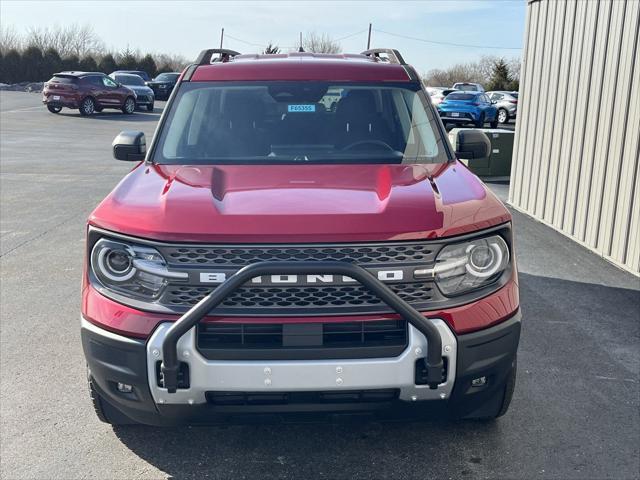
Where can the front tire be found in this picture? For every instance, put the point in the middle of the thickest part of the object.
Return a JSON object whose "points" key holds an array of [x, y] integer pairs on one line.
{"points": [[150, 107], [503, 116], [87, 107], [494, 124], [54, 109], [480, 122], [129, 106]]}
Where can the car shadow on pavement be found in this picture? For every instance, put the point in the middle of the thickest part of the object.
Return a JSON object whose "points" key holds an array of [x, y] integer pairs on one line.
{"points": [[118, 116], [572, 343], [348, 447]]}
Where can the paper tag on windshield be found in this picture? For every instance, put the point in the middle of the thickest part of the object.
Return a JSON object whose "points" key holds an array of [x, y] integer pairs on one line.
{"points": [[301, 108]]}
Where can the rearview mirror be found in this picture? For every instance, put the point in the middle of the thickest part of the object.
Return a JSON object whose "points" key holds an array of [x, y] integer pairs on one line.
{"points": [[129, 146], [470, 144]]}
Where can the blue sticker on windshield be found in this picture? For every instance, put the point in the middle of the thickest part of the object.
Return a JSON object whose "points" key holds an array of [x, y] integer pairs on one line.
{"points": [[301, 108]]}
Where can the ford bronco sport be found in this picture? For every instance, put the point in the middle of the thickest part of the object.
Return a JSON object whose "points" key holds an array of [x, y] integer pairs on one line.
{"points": [[299, 236]]}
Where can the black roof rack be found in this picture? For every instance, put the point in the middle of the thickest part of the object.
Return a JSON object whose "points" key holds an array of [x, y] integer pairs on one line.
{"points": [[392, 55], [224, 55]]}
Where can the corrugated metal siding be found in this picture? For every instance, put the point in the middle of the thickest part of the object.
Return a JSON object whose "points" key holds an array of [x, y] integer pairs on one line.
{"points": [[576, 157]]}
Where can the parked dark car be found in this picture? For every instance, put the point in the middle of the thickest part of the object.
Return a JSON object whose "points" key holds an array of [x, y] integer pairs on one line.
{"points": [[89, 92], [468, 107], [144, 95], [163, 84], [144, 75], [506, 103]]}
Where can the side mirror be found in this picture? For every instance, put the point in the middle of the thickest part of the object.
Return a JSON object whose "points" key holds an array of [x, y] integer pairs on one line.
{"points": [[129, 146], [493, 102], [470, 144]]}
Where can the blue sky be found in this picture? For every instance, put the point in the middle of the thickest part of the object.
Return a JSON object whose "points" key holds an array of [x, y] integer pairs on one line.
{"points": [[187, 27]]}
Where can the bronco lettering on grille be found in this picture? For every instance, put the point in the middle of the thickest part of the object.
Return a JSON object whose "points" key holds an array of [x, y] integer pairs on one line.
{"points": [[383, 275]]}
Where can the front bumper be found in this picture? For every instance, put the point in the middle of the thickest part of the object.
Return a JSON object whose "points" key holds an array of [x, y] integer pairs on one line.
{"points": [[114, 359], [161, 93], [144, 100]]}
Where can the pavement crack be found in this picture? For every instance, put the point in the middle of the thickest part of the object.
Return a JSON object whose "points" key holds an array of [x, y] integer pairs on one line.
{"points": [[40, 235]]}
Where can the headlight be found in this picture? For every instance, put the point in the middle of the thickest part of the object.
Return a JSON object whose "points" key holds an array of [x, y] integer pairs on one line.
{"points": [[470, 265], [132, 270]]}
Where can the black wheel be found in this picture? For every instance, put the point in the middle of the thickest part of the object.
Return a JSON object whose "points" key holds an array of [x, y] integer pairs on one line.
{"points": [[104, 411], [150, 107], [129, 106], [494, 124], [503, 116], [480, 122], [54, 108], [87, 107]]}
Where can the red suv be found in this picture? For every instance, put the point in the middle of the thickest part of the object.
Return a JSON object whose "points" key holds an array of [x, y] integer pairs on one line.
{"points": [[300, 236], [89, 92]]}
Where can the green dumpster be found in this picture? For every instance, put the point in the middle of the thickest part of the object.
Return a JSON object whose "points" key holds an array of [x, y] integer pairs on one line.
{"points": [[499, 162]]}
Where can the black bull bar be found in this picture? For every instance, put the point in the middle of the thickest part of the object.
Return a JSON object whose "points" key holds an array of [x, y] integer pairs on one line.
{"points": [[170, 365]]}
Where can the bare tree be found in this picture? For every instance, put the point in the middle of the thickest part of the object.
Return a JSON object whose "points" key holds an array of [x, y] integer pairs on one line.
{"points": [[476, 72], [320, 43], [170, 63], [9, 39], [271, 49], [84, 40], [514, 65], [74, 39]]}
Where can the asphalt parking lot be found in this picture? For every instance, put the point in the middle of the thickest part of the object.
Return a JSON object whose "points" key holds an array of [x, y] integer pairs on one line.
{"points": [[575, 412]]}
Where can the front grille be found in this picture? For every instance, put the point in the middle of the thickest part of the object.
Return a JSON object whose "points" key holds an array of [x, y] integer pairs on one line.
{"points": [[272, 299], [329, 297], [272, 341], [244, 255]]}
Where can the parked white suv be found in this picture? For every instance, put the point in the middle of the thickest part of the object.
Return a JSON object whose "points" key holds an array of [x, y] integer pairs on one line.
{"points": [[468, 87]]}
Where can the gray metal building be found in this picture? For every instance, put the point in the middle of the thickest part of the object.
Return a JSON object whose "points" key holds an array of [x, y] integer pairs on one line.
{"points": [[576, 154]]}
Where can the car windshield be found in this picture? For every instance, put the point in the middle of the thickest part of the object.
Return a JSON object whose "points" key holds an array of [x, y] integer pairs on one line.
{"points": [[460, 96], [167, 77], [293, 122], [129, 80]]}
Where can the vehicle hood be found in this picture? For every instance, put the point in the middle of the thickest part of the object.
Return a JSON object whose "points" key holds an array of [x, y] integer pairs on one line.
{"points": [[157, 83], [298, 203], [140, 89]]}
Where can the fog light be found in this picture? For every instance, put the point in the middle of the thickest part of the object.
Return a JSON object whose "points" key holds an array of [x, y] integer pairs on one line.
{"points": [[124, 388], [479, 382]]}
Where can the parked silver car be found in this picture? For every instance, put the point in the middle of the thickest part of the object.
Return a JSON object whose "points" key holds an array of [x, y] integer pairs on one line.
{"points": [[507, 104]]}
